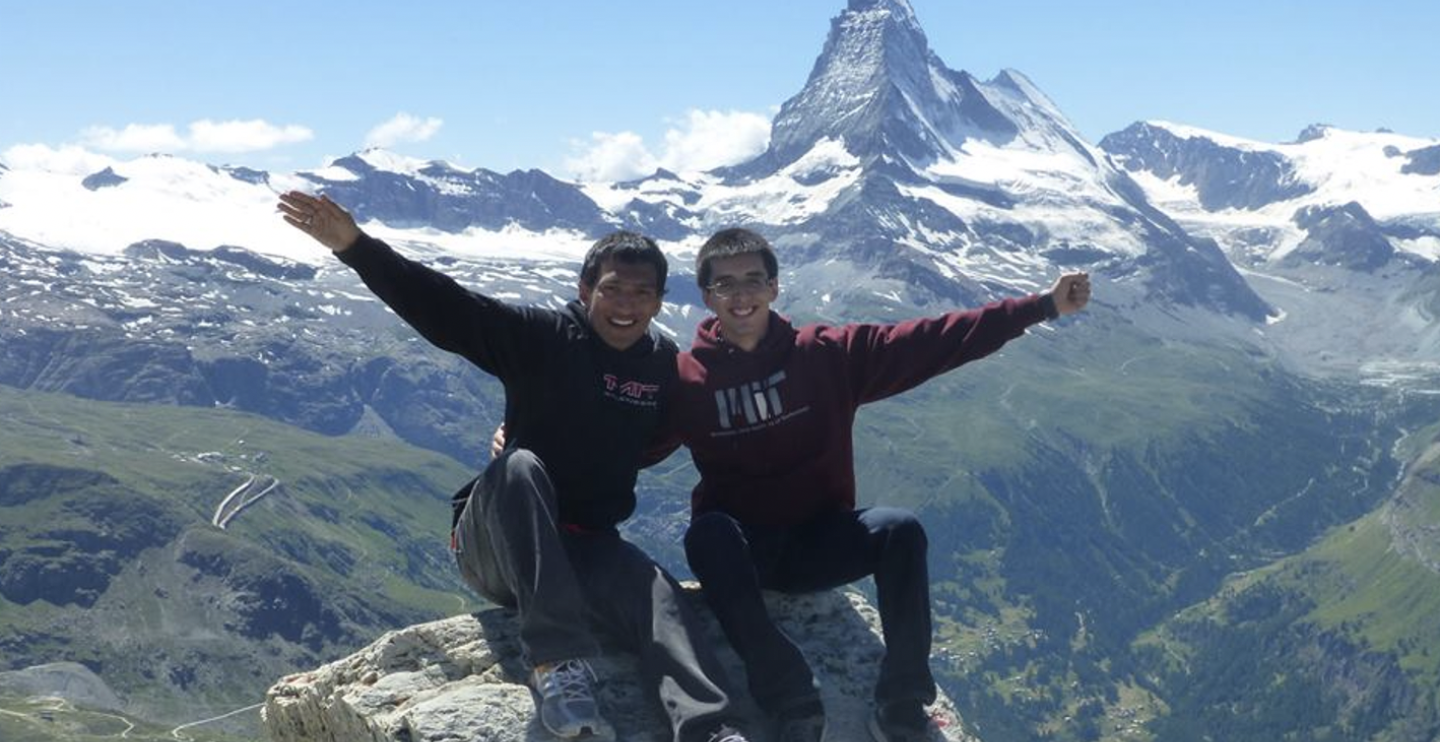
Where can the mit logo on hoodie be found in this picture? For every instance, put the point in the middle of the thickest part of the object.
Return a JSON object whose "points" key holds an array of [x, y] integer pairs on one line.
{"points": [[754, 402]]}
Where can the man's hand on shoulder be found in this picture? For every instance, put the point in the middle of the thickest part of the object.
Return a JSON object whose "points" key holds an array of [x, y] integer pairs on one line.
{"points": [[497, 442], [320, 218], [1071, 292]]}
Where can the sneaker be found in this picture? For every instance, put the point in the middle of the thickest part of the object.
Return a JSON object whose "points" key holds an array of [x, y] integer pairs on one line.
{"points": [[801, 728], [901, 722], [567, 703], [728, 733]]}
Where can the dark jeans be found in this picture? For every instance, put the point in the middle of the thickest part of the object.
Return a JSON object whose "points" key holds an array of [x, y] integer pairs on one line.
{"points": [[734, 562], [569, 586]]}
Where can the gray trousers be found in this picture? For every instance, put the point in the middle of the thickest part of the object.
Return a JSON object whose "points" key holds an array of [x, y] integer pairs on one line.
{"points": [[571, 586]]}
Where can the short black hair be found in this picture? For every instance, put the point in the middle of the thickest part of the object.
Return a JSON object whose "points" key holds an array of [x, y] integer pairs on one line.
{"points": [[731, 242], [624, 247]]}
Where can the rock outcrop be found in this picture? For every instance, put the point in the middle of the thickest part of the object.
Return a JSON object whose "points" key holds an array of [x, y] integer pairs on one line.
{"points": [[71, 681], [461, 679]]}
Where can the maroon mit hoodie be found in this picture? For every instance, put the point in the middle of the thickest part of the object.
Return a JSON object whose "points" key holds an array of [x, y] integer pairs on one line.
{"points": [[770, 429]]}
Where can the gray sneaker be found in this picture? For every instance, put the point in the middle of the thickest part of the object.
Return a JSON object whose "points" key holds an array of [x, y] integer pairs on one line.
{"points": [[567, 702], [728, 733], [902, 722]]}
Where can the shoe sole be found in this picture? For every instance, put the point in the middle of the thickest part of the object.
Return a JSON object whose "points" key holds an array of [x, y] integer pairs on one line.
{"points": [[878, 735], [586, 734]]}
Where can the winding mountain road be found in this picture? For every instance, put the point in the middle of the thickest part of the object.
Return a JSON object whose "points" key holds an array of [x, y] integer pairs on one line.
{"points": [[247, 494]]}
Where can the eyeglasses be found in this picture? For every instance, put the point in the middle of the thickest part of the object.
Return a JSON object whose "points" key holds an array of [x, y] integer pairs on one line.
{"points": [[726, 288]]}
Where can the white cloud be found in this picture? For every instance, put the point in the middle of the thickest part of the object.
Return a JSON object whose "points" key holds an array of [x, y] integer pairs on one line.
{"points": [[69, 159], [704, 141], [403, 128], [244, 136], [203, 136], [714, 139], [133, 138], [612, 157]]}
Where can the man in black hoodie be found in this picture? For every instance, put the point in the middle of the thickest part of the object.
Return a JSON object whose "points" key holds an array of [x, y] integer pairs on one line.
{"points": [[537, 530]]}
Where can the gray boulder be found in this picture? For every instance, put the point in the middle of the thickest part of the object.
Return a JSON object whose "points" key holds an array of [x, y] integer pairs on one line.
{"points": [[461, 679]]}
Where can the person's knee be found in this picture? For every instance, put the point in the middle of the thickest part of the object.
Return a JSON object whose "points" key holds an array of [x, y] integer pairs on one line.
{"points": [[712, 535], [710, 529], [904, 531], [518, 461], [517, 473]]}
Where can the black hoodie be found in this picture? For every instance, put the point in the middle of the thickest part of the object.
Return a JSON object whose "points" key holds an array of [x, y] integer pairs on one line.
{"points": [[585, 409]]}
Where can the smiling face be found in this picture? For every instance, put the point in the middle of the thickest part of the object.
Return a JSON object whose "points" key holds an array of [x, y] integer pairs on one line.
{"points": [[625, 297], [740, 293]]}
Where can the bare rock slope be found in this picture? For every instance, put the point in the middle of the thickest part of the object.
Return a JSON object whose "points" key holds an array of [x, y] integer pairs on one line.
{"points": [[461, 679]]}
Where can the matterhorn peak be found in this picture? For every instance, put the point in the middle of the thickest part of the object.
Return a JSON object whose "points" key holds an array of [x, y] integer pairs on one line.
{"points": [[901, 9], [879, 88]]}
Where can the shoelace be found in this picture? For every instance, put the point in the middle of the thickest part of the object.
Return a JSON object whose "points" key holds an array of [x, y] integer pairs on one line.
{"points": [[572, 679], [726, 734]]}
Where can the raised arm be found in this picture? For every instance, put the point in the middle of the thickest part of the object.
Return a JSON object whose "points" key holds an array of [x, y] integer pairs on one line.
{"points": [[884, 360], [491, 334]]}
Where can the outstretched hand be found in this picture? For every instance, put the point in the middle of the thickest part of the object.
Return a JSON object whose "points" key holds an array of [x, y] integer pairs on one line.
{"points": [[320, 218], [1071, 292]]}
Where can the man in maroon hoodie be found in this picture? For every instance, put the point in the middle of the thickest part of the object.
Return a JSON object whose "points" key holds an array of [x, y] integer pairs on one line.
{"points": [[767, 410]]}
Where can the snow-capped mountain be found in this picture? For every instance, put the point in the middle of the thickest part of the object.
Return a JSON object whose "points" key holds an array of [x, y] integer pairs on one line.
{"points": [[887, 169], [939, 185], [892, 183], [1261, 201], [405, 193], [94, 204], [1339, 230]]}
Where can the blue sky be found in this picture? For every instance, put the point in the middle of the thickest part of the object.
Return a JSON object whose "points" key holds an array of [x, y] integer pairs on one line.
{"points": [[583, 88]]}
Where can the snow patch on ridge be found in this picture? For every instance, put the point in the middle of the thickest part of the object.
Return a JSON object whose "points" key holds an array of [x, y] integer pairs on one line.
{"points": [[163, 198], [509, 243], [797, 192]]}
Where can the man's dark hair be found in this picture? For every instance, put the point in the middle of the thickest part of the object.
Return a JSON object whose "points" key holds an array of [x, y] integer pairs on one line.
{"points": [[728, 243], [624, 247]]}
